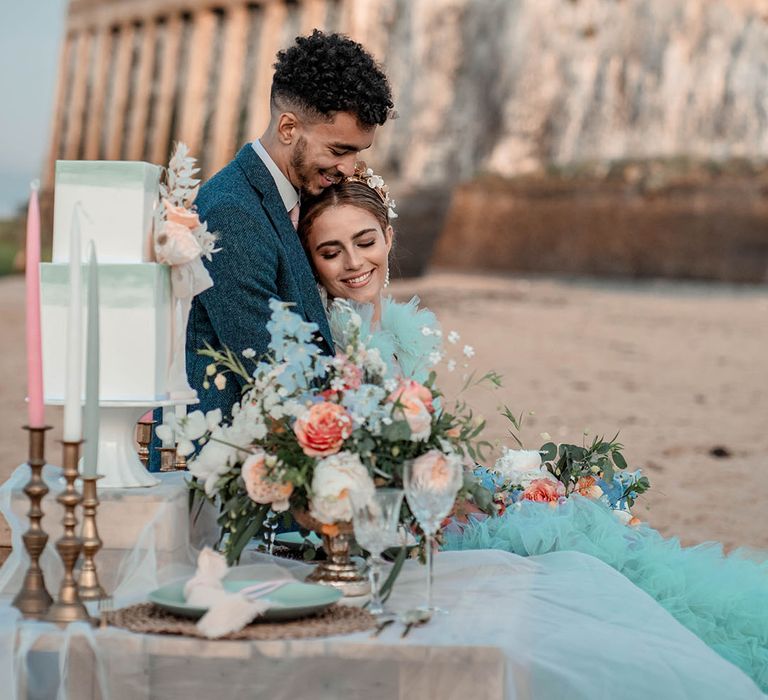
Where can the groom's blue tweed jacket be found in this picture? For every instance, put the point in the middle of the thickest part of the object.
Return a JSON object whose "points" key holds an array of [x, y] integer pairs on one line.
{"points": [[261, 258]]}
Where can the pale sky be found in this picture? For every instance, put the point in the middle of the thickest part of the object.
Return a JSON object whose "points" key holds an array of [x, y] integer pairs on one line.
{"points": [[30, 37]]}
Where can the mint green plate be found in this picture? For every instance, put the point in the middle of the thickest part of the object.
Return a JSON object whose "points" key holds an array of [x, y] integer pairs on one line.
{"points": [[294, 540], [291, 601]]}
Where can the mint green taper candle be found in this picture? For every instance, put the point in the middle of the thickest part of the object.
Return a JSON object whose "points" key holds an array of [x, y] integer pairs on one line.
{"points": [[91, 417]]}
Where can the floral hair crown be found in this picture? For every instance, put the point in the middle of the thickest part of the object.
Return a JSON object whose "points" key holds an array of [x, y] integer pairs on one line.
{"points": [[366, 175]]}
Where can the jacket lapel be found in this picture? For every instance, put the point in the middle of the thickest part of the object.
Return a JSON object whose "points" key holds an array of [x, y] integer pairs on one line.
{"points": [[261, 180]]}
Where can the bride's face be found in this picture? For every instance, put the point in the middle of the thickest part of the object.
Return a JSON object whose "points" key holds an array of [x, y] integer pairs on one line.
{"points": [[349, 252]]}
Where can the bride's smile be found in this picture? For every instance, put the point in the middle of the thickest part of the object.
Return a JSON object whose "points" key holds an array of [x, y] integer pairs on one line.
{"points": [[359, 280]]}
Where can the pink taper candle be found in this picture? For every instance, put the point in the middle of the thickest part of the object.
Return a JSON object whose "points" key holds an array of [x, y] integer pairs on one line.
{"points": [[36, 412]]}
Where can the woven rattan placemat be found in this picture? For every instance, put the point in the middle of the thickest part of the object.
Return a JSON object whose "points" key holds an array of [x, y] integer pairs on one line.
{"points": [[338, 619]]}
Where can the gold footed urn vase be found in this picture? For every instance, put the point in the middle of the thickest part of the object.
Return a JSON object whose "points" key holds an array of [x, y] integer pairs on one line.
{"points": [[337, 570]]}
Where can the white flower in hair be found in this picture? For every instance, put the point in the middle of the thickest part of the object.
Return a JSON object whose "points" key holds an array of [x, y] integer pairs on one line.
{"points": [[366, 175]]}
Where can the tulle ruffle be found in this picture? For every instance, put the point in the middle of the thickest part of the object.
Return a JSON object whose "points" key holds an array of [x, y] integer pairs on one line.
{"points": [[722, 599]]}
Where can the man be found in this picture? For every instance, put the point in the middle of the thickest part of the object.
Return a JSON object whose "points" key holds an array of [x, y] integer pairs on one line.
{"points": [[327, 98]]}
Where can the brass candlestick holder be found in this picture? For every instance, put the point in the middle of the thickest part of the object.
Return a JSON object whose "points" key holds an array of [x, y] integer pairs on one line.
{"points": [[68, 606], [181, 462], [33, 600], [144, 438], [167, 458], [88, 585]]}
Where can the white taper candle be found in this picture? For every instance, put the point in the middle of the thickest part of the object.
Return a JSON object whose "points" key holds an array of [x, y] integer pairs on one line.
{"points": [[73, 413]]}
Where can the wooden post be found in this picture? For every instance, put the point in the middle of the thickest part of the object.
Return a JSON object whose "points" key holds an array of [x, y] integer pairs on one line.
{"points": [[76, 112], [159, 150], [138, 123], [193, 107], [313, 14], [95, 111], [269, 44], [121, 83], [227, 101]]}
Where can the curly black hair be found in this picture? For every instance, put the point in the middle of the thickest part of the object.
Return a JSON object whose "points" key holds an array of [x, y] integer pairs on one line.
{"points": [[327, 73]]}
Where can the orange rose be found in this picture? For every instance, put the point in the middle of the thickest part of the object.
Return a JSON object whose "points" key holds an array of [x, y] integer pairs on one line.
{"points": [[180, 215], [587, 486], [260, 487], [322, 431], [544, 491], [410, 390]]}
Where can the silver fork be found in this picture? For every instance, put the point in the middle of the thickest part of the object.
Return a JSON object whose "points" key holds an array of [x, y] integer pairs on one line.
{"points": [[414, 618]]}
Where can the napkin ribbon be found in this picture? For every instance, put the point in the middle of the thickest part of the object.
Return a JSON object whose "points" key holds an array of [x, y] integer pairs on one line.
{"points": [[227, 611]]}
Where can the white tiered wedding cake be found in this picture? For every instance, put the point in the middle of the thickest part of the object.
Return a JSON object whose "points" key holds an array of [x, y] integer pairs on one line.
{"points": [[149, 243]]}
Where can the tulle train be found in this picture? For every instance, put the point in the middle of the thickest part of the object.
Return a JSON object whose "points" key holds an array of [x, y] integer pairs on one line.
{"points": [[722, 599]]}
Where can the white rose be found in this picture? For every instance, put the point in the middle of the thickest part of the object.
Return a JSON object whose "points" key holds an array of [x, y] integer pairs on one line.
{"points": [[334, 478], [521, 467]]}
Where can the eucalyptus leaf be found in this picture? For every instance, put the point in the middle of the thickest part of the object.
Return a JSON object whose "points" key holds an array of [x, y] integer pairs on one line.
{"points": [[548, 451]]}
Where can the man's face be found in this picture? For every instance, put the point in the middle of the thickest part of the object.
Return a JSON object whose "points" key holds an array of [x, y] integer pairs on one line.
{"points": [[325, 152]]}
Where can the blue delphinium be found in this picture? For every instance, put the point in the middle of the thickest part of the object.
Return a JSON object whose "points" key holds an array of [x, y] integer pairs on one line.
{"points": [[366, 406]]}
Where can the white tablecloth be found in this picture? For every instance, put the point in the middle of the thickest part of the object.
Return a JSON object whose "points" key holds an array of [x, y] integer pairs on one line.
{"points": [[562, 625]]}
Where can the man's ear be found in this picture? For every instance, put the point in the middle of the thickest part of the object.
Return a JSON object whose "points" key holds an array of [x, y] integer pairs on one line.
{"points": [[287, 124]]}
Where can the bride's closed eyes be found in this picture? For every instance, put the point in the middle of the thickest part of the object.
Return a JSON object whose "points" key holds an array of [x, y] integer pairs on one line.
{"points": [[336, 246], [330, 255]]}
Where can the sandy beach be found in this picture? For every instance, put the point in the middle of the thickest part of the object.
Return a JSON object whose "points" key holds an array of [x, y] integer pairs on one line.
{"points": [[680, 369]]}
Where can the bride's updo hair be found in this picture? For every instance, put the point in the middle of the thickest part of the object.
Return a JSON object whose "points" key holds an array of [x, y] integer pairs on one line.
{"points": [[351, 192]]}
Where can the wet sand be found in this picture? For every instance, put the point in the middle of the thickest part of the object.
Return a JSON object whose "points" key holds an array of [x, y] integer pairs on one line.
{"points": [[681, 370]]}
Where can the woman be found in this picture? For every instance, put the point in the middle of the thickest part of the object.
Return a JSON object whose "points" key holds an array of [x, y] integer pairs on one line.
{"points": [[347, 234]]}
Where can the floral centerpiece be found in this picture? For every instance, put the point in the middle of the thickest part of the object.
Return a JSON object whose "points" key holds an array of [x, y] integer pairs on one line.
{"points": [[311, 428]]}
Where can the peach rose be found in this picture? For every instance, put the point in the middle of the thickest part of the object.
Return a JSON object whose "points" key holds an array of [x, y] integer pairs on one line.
{"points": [[417, 416], [175, 245], [181, 215], [410, 390], [436, 470], [260, 487], [544, 491], [323, 429], [587, 486]]}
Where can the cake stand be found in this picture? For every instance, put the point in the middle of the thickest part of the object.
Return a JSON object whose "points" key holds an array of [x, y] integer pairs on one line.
{"points": [[118, 462]]}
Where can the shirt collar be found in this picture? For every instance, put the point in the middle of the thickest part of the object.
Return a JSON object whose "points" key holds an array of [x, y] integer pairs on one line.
{"points": [[287, 191]]}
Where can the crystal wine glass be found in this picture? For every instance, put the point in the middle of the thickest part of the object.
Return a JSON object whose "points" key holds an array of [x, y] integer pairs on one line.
{"points": [[431, 484], [375, 519]]}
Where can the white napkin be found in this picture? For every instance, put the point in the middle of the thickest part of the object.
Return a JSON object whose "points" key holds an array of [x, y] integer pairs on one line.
{"points": [[227, 612]]}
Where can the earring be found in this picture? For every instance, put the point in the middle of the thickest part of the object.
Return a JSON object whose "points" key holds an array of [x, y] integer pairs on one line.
{"points": [[386, 279]]}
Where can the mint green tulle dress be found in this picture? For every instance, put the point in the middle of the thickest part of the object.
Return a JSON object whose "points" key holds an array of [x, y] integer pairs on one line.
{"points": [[721, 599]]}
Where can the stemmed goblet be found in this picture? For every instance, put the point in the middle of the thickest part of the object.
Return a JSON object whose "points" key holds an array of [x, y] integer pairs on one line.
{"points": [[375, 519], [431, 484]]}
